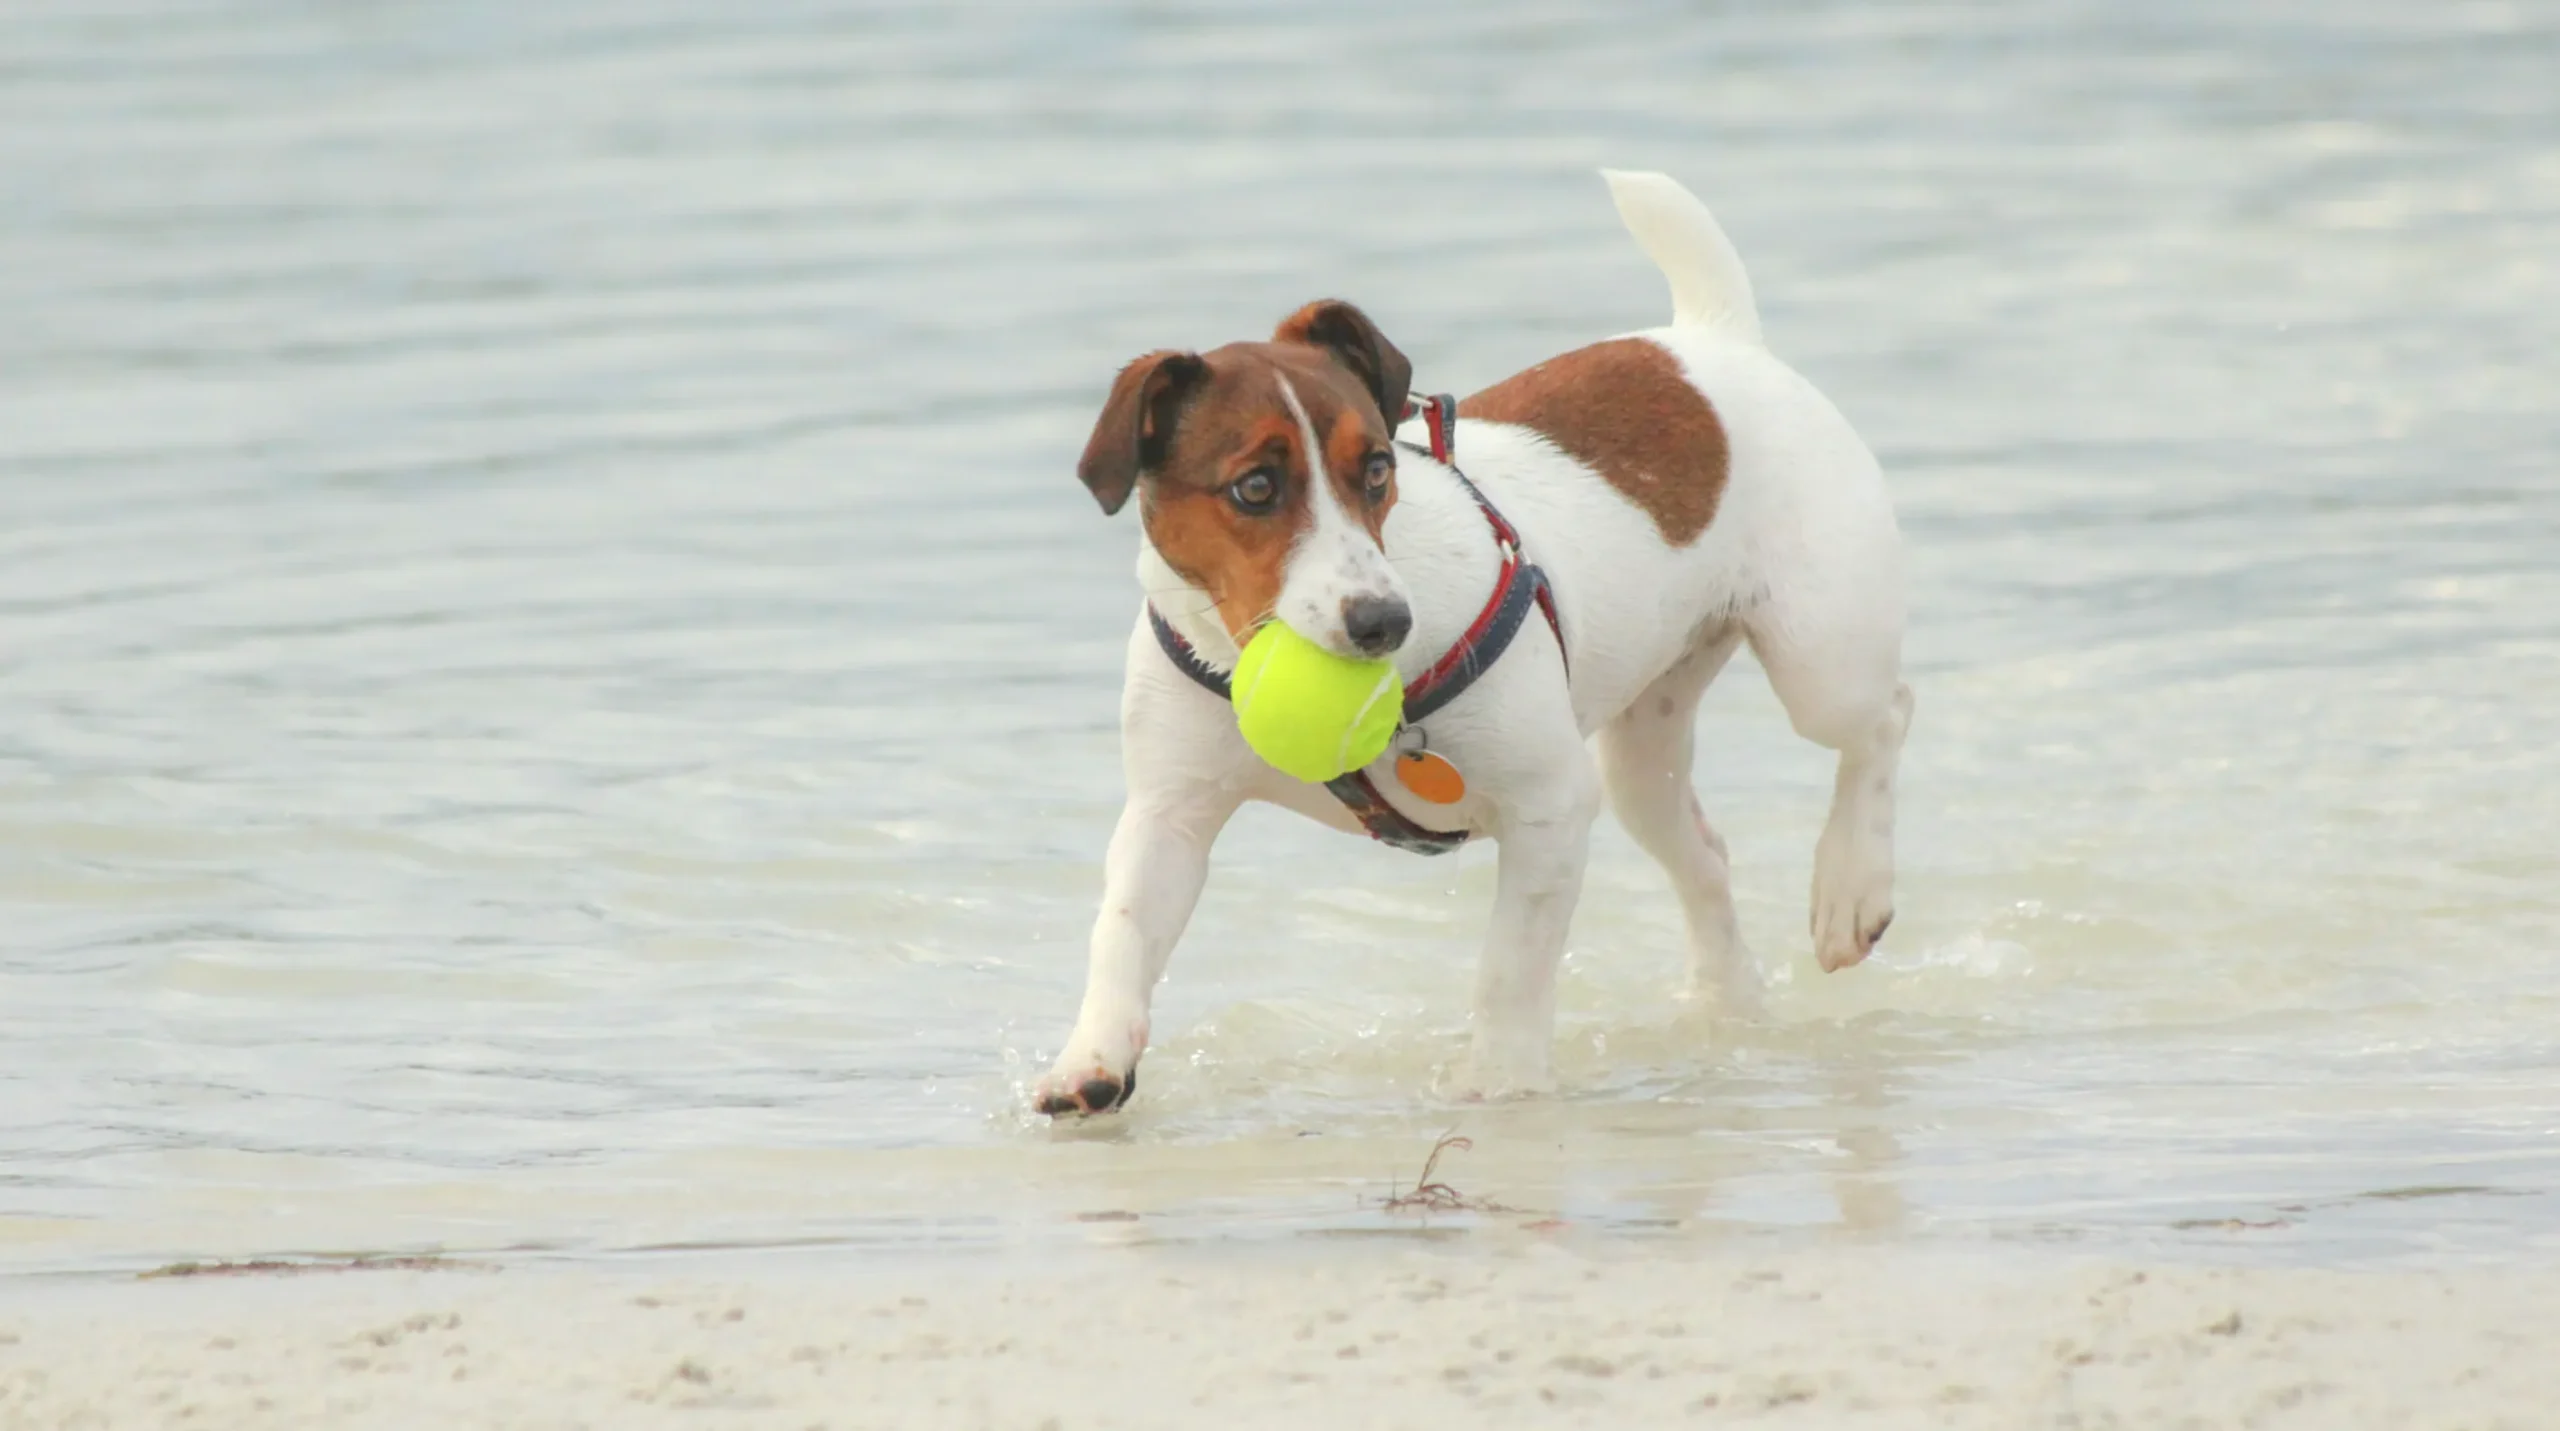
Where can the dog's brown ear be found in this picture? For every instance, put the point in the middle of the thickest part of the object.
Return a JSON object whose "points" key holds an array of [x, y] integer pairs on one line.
{"points": [[1347, 333], [1136, 424]]}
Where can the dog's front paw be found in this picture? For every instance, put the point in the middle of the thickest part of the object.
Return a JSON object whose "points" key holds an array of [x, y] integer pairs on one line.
{"points": [[1085, 1089], [1099, 1070], [1727, 994], [1503, 1069]]}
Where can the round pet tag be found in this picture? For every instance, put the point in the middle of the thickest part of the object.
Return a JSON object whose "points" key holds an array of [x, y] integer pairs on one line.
{"points": [[1430, 776]]}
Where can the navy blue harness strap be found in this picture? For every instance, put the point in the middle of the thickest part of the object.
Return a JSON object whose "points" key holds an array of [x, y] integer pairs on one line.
{"points": [[1520, 586], [1510, 609], [1179, 650], [1385, 823]]}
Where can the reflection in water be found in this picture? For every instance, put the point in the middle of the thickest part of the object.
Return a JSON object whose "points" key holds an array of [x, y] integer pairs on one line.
{"points": [[1862, 1178]]}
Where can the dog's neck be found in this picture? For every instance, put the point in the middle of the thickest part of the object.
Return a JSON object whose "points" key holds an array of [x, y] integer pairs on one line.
{"points": [[1190, 611]]}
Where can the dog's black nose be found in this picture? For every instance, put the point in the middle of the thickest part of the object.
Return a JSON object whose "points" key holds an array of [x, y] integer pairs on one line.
{"points": [[1376, 624]]}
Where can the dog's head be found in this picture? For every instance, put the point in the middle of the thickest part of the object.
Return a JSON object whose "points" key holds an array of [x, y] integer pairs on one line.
{"points": [[1264, 474]]}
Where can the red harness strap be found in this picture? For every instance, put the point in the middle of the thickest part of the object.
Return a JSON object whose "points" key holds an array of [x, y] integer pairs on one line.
{"points": [[1440, 418]]}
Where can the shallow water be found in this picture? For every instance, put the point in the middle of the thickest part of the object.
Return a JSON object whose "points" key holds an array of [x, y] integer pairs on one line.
{"points": [[556, 690]]}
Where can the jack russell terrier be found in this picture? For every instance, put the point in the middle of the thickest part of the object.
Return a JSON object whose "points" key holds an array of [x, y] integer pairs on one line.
{"points": [[1615, 521]]}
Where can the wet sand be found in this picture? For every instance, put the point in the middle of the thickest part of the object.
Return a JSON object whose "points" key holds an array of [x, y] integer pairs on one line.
{"points": [[1352, 1335]]}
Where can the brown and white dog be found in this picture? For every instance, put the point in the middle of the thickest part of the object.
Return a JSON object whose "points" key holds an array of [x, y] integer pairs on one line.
{"points": [[1684, 490]]}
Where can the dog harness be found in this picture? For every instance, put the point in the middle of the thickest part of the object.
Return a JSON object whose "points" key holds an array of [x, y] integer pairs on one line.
{"points": [[1516, 587]]}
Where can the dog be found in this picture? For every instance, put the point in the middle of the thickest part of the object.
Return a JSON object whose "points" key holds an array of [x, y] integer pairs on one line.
{"points": [[1666, 495]]}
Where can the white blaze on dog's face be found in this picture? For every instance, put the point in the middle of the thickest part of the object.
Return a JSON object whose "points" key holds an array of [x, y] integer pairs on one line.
{"points": [[1337, 588], [1265, 472]]}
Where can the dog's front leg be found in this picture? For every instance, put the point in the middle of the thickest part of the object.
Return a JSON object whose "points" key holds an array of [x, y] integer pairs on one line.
{"points": [[1544, 846], [1151, 879]]}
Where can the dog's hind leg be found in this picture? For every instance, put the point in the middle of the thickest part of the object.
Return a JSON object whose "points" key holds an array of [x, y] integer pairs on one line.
{"points": [[1646, 754], [1842, 687]]}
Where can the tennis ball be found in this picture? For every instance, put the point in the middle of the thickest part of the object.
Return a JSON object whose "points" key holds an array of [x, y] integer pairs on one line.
{"points": [[1309, 712]]}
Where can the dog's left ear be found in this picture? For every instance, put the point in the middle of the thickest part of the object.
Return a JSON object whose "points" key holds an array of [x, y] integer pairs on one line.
{"points": [[1347, 333]]}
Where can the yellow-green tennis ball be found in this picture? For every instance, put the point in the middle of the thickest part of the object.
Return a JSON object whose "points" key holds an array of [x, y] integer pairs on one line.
{"points": [[1309, 712]]}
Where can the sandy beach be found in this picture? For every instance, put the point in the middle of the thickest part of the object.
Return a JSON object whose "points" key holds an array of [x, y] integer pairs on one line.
{"points": [[1348, 1335]]}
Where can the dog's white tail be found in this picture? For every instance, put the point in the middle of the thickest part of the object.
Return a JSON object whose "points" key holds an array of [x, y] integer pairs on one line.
{"points": [[1708, 287]]}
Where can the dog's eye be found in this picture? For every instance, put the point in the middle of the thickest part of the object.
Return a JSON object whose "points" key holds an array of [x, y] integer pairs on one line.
{"points": [[1381, 471], [1256, 492]]}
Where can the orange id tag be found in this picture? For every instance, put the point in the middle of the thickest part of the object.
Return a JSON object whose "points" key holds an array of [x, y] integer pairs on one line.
{"points": [[1431, 777]]}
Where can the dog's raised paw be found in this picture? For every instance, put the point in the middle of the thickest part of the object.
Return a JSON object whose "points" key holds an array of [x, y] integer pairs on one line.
{"points": [[1096, 1092], [1849, 935]]}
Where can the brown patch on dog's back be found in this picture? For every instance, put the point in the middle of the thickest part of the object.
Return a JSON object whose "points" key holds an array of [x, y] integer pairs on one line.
{"points": [[1624, 409]]}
